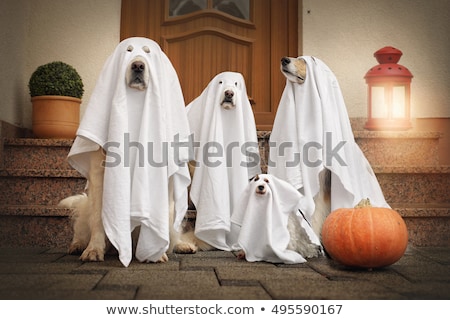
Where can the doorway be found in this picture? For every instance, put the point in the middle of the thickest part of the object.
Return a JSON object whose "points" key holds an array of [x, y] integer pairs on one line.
{"points": [[205, 37]]}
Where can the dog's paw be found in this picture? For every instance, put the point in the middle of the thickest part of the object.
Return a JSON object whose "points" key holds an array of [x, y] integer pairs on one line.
{"points": [[71, 202], [241, 254], [164, 258], [185, 248], [76, 247], [92, 254]]}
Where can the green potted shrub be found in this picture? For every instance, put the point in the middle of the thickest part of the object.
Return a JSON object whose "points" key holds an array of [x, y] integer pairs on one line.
{"points": [[56, 90]]}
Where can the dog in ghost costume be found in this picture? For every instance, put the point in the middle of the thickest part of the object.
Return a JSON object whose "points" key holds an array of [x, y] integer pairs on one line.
{"points": [[134, 182], [267, 225], [226, 156], [322, 161]]}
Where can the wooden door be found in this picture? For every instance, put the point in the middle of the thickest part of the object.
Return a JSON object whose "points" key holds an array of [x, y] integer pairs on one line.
{"points": [[205, 37]]}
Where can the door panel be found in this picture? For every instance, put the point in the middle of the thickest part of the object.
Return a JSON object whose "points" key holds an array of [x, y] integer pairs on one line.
{"points": [[199, 55], [205, 37]]}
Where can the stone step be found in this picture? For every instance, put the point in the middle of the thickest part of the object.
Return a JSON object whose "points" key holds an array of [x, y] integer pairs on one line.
{"points": [[22, 225], [380, 148], [399, 148], [393, 148], [41, 225], [47, 187], [35, 176], [38, 187], [35, 226], [414, 184], [37, 154], [427, 223]]}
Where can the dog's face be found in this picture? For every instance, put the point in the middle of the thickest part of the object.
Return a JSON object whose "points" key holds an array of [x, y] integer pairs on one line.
{"points": [[228, 94], [294, 69], [137, 74], [262, 185]]}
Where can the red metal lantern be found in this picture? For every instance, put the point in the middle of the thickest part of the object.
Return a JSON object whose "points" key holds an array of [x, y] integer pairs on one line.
{"points": [[388, 92]]}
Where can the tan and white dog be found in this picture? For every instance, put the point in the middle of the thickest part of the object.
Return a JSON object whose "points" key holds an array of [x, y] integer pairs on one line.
{"points": [[324, 163], [294, 69]]}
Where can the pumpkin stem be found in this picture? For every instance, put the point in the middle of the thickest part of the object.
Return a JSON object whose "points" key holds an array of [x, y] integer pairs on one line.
{"points": [[363, 203]]}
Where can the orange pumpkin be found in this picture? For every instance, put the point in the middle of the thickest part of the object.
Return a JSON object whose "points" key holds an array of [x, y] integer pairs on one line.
{"points": [[365, 236]]}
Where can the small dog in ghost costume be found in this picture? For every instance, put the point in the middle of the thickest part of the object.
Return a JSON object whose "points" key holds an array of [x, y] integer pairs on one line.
{"points": [[267, 225]]}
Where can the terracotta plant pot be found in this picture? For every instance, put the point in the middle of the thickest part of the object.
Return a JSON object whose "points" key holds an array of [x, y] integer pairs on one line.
{"points": [[56, 117]]}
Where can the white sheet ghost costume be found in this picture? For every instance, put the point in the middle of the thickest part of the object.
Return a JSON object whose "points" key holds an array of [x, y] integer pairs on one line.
{"points": [[260, 222], [226, 155], [136, 129], [311, 132]]}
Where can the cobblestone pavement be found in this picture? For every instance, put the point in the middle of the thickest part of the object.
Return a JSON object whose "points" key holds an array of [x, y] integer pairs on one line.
{"points": [[49, 273]]}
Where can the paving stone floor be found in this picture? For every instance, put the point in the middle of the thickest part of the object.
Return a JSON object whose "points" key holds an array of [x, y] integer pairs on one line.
{"points": [[49, 273]]}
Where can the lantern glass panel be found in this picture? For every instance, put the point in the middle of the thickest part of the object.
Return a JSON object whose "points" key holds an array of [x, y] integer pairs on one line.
{"points": [[379, 106], [398, 102]]}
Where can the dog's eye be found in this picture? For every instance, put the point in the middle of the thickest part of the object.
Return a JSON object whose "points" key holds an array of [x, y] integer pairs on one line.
{"points": [[266, 180], [146, 49], [130, 48], [235, 84], [220, 82], [256, 178]]}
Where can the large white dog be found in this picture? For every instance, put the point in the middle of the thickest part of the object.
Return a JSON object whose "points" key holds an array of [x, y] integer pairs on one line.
{"points": [[129, 146], [312, 143]]}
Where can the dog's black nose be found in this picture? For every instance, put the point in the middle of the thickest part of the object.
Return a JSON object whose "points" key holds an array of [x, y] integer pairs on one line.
{"points": [[285, 61], [261, 188], [229, 94], [138, 66]]}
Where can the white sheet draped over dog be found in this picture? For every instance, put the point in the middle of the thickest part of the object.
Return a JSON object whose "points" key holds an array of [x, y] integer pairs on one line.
{"points": [[311, 132], [260, 222], [136, 128], [224, 168]]}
